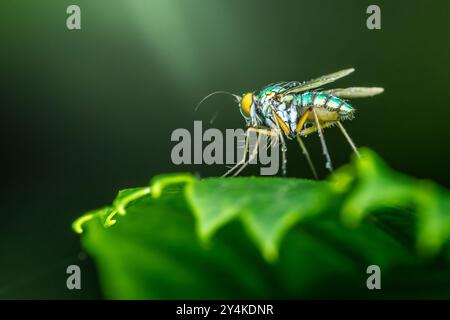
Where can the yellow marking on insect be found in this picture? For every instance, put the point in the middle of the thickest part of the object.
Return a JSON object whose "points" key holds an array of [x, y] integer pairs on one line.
{"points": [[302, 121], [282, 124], [246, 103]]}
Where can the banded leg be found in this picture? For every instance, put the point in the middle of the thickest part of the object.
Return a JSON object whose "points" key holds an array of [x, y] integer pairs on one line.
{"points": [[328, 164], [307, 156], [349, 140]]}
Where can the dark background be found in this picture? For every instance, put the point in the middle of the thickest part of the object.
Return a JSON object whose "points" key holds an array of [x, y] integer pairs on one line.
{"points": [[87, 113]]}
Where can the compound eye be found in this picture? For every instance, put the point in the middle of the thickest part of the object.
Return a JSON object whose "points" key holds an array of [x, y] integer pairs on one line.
{"points": [[246, 103]]}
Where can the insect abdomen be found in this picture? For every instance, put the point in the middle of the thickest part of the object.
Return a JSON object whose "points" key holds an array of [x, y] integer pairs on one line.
{"points": [[324, 100]]}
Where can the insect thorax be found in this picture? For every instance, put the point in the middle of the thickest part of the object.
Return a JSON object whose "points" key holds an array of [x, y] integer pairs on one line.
{"points": [[287, 110]]}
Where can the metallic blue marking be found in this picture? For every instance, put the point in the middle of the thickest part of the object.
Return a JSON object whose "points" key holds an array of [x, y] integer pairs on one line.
{"points": [[271, 88], [333, 103], [306, 99], [346, 107], [320, 99]]}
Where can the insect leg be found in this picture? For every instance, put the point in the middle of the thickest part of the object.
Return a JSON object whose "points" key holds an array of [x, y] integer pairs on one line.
{"points": [[274, 141], [283, 155], [252, 156], [313, 128], [283, 144], [307, 156], [350, 141], [302, 121], [242, 161], [254, 153], [270, 143], [328, 164]]}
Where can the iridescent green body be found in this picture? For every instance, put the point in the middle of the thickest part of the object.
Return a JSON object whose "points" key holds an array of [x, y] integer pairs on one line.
{"points": [[290, 107], [295, 109]]}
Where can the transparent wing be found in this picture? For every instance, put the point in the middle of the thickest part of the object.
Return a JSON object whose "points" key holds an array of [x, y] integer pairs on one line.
{"points": [[315, 83], [355, 92]]}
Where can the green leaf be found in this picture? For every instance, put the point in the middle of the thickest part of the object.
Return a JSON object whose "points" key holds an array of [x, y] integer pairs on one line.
{"points": [[268, 207], [229, 238], [154, 253]]}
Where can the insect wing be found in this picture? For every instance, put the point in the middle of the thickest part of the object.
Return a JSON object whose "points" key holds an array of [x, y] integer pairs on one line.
{"points": [[355, 92], [315, 83]]}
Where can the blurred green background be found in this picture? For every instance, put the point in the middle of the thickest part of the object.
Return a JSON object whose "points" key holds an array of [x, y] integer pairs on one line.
{"points": [[86, 113]]}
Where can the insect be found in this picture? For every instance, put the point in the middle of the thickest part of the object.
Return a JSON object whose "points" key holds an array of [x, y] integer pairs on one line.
{"points": [[296, 109]]}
